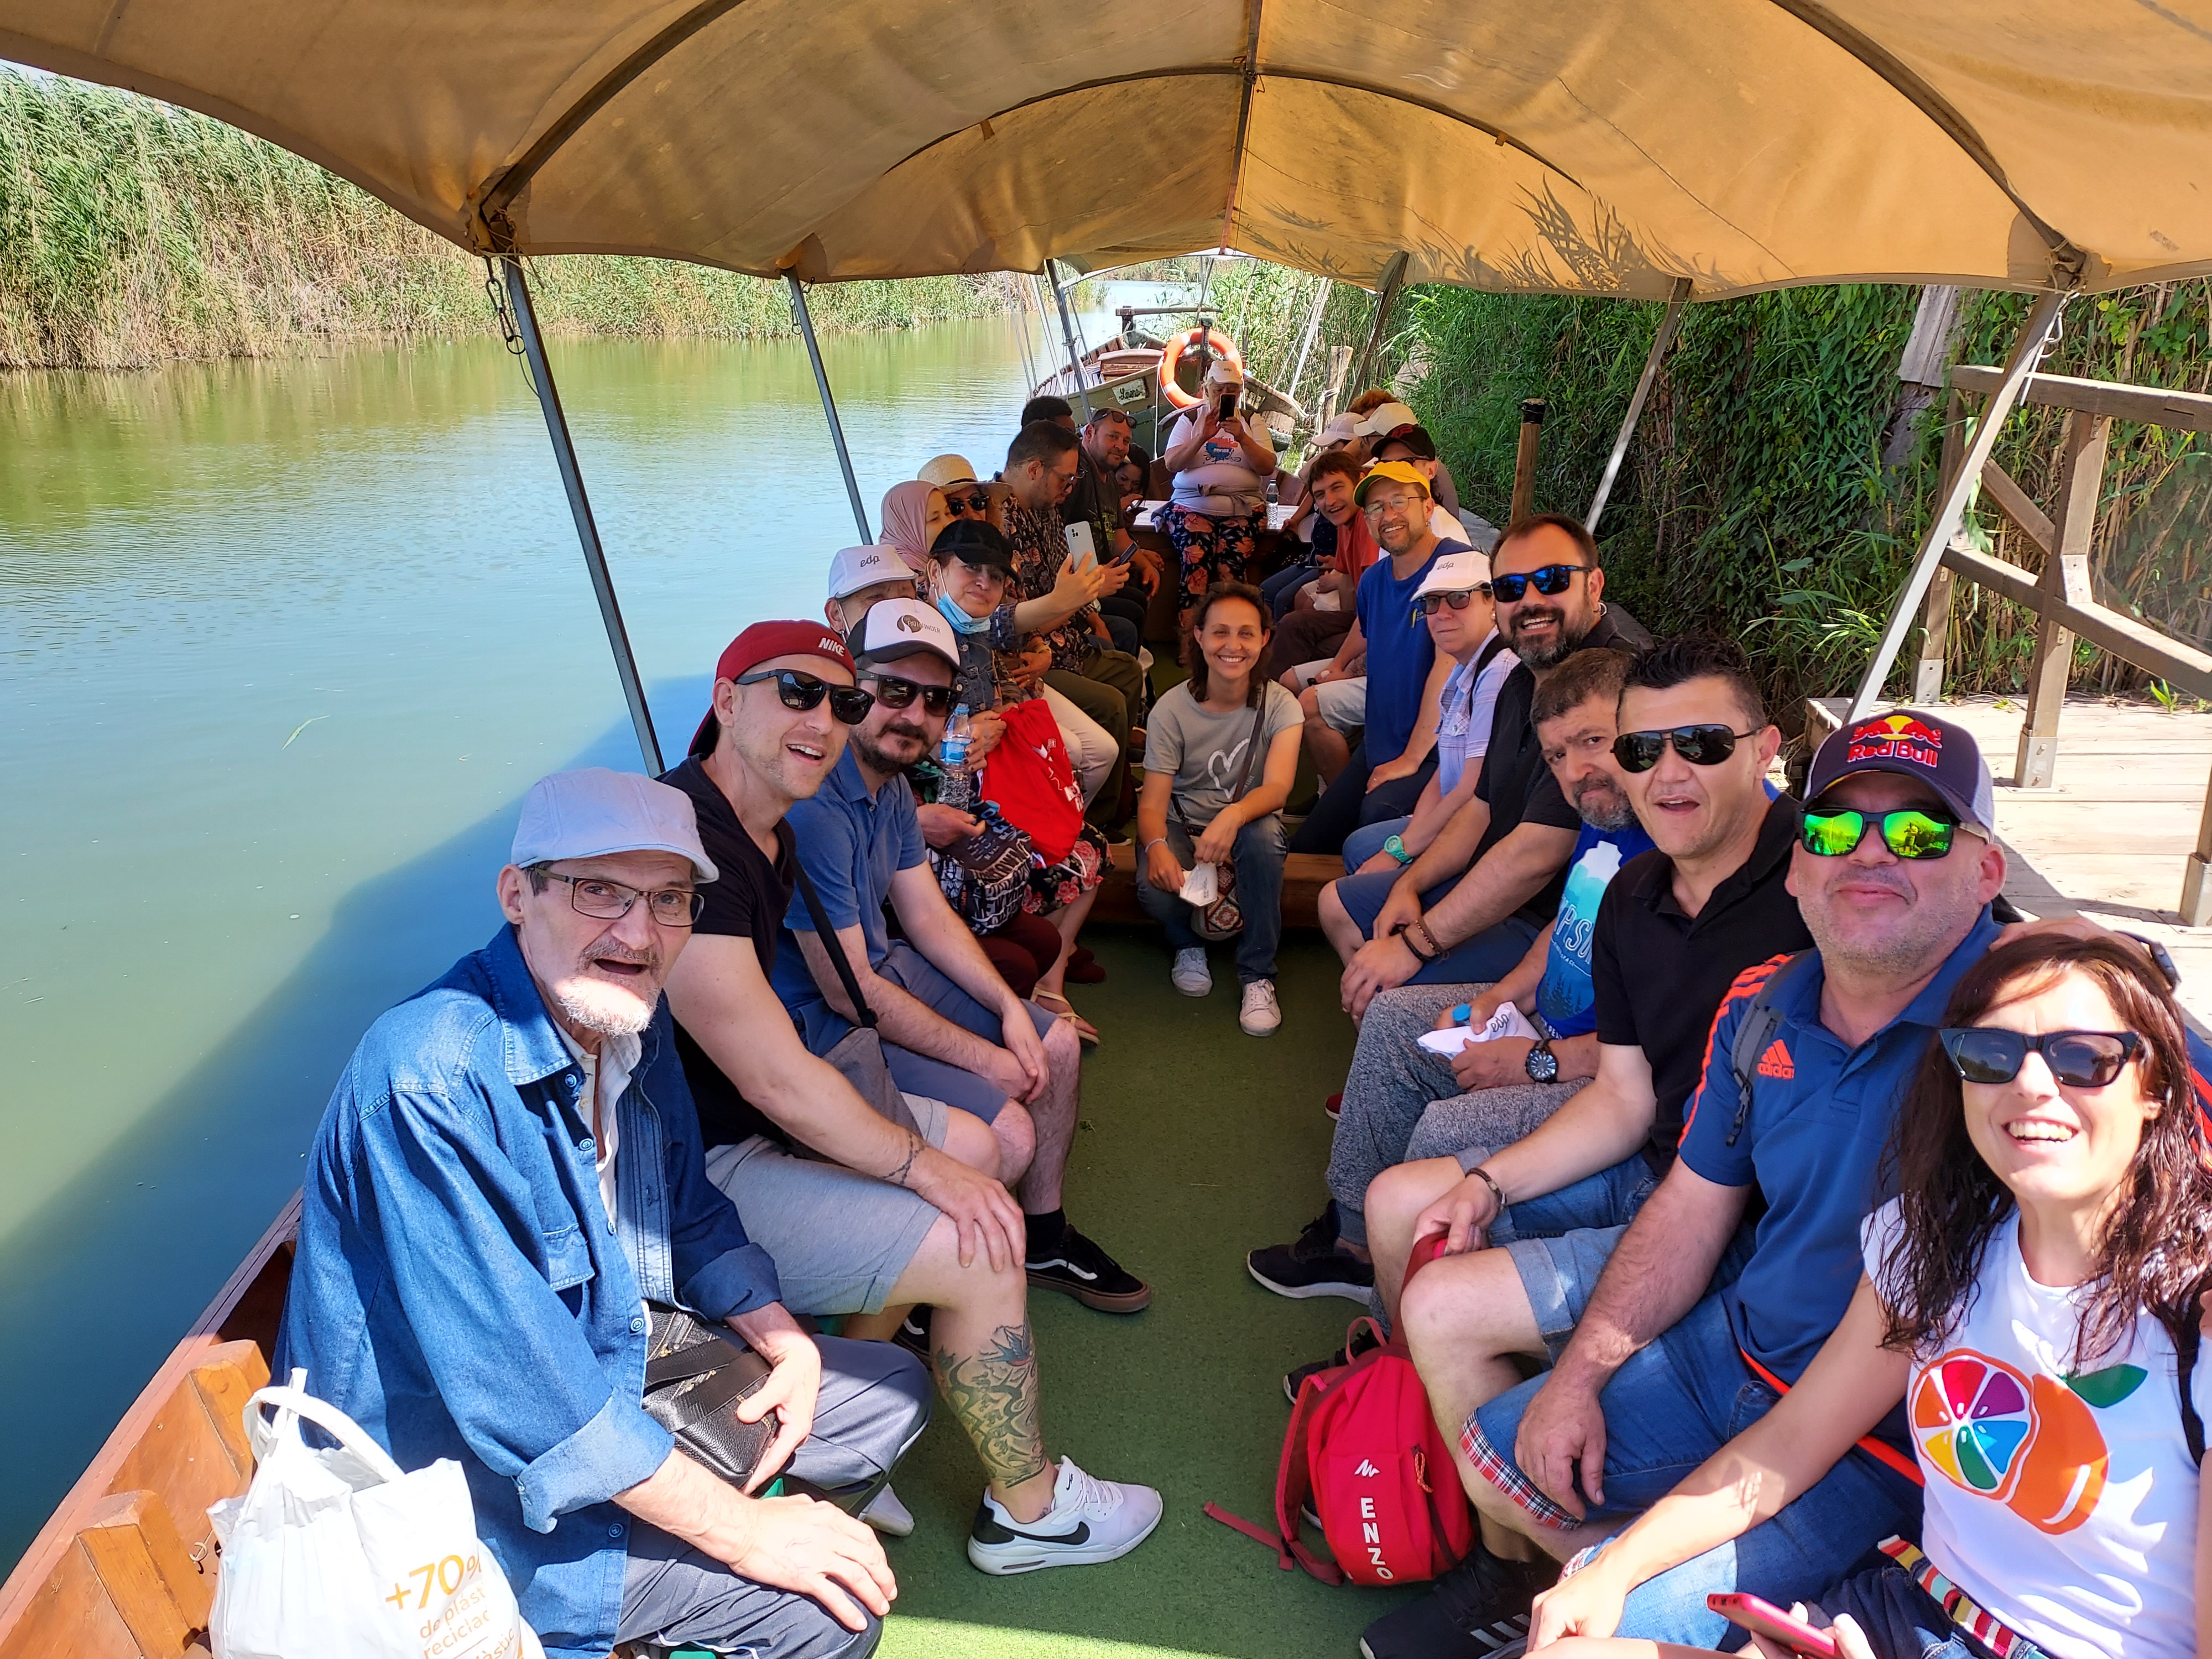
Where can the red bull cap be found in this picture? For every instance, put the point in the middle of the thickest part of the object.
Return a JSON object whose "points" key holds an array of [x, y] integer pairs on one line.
{"points": [[1905, 741]]}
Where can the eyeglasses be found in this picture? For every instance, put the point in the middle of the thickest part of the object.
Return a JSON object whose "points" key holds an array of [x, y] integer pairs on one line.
{"points": [[610, 901], [979, 502], [901, 694], [1700, 745], [2085, 1060], [1908, 833], [1552, 579], [848, 704], [1410, 503], [1429, 603]]}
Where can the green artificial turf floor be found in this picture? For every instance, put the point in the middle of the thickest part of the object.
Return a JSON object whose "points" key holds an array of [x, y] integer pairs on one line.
{"points": [[1197, 1143]]}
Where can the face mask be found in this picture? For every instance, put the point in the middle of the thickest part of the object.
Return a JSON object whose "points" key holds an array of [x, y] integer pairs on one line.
{"points": [[961, 620]]}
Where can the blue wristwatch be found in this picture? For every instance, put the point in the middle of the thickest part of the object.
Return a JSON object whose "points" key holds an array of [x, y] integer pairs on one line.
{"points": [[1395, 847]]}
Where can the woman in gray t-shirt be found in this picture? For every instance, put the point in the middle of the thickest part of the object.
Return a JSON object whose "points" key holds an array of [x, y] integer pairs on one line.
{"points": [[1221, 752]]}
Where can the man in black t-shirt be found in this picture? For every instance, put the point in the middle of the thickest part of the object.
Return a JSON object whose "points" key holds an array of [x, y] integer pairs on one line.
{"points": [[1512, 841], [883, 1216]]}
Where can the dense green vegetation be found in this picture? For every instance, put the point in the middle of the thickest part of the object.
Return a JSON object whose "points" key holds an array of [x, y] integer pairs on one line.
{"points": [[131, 231], [1781, 477]]}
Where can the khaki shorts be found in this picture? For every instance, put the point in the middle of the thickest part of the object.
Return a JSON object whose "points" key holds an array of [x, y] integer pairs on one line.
{"points": [[1343, 703]]}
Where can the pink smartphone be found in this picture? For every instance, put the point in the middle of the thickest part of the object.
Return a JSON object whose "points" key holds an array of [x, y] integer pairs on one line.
{"points": [[1764, 1619]]}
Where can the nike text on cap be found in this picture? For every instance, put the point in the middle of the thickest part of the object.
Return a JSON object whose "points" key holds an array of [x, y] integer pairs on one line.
{"points": [[765, 642], [903, 627], [856, 567], [593, 812], [1911, 745]]}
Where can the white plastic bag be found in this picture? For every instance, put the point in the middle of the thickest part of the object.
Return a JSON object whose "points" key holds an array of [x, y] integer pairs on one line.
{"points": [[339, 1554]]}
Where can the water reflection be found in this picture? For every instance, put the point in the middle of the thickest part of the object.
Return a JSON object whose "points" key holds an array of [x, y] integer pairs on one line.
{"points": [[282, 644]]}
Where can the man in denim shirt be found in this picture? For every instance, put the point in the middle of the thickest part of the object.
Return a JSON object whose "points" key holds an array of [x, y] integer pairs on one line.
{"points": [[509, 1171]]}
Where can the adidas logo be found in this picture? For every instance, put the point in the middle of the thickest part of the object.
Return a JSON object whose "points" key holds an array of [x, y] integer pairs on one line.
{"points": [[1776, 1062], [1367, 1468]]}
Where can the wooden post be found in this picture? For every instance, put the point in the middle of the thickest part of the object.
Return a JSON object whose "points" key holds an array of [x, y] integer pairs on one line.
{"points": [[1524, 461], [2197, 877], [1936, 616], [2065, 580], [1339, 365]]}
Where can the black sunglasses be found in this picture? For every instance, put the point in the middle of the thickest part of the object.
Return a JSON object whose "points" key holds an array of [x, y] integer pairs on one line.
{"points": [[1552, 579], [848, 704], [2085, 1060], [1429, 603], [1700, 745], [901, 694], [978, 503]]}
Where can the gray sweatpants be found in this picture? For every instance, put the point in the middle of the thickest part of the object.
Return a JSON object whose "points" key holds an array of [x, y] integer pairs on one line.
{"points": [[1402, 1103]]}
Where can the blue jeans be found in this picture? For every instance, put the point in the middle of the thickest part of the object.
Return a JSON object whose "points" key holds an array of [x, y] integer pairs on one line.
{"points": [[1348, 803], [1258, 856], [1483, 960], [1901, 1621], [1670, 1407], [1365, 842], [1560, 1242], [1281, 589]]}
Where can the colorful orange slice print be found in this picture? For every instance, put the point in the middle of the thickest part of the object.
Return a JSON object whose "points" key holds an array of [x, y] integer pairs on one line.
{"points": [[1973, 1417]]}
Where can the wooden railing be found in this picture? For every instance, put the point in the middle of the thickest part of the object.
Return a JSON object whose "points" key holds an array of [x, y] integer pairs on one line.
{"points": [[2061, 593]]}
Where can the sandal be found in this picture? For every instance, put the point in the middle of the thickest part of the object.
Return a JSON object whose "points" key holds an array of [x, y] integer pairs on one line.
{"points": [[1086, 1032]]}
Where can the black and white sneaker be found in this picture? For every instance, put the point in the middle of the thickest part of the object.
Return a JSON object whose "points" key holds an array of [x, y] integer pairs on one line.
{"points": [[1362, 1340], [1090, 1520], [912, 1334], [1478, 1610], [1078, 1267], [1315, 1265]]}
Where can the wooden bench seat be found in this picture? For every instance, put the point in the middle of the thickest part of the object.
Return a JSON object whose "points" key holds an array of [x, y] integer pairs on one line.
{"points": [[1304, 874]]}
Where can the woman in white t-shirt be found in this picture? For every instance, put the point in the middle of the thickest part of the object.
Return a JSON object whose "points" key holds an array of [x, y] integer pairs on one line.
{"points": [[2026, 1298]]}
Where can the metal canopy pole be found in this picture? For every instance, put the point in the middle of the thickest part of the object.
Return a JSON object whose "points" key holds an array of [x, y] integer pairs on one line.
{"points": [[2026, 351], [829, 404], [587, 531], [1394, 278], [1067, 328], [1665, 337]]}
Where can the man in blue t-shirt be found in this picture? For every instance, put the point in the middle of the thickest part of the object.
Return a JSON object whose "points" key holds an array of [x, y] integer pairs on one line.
{"points": [[1398, 734]]}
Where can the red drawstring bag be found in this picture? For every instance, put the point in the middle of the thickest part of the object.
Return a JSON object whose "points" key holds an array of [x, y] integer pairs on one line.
{"points": [[1032, 780], [1364, 1448]]}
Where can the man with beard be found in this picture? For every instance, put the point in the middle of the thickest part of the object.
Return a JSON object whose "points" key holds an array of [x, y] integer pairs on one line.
{"points": [[510, 1171], [1387, 1115], [867, 1216], [1096, 499], [1494, 874]]}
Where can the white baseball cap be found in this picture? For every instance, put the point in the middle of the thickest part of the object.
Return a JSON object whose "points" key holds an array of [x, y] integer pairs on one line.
{"points": [[947, 470], [592, 812], [1388, 417], [903, 627], [1456, 573], [856, 567], [1341, 430]]}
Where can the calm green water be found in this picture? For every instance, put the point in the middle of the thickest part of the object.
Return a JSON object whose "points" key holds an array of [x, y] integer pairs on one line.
{"points": [[281, 646]]}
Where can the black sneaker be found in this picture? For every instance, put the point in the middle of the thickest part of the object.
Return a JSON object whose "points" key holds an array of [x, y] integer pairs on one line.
{"points": [[1080, 1269], [1313, 1266], [1362, 1340], [1477, 1609], [912, 1334]]}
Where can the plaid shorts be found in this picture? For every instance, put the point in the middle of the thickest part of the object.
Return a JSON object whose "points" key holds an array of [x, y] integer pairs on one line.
{"points": [[1503, 1473]]}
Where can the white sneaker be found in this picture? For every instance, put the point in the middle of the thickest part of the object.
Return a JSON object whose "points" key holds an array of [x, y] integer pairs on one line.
{"points": [[1090, 1520], [888, 1515], [1190, 975], [1261, 1014]]}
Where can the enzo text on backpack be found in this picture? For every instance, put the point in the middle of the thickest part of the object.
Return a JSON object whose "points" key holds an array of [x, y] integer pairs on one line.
{"points": [[1363, 1450]]}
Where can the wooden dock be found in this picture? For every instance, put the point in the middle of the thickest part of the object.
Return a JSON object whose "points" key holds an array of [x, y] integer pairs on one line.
{"points": [[2110, 837]]}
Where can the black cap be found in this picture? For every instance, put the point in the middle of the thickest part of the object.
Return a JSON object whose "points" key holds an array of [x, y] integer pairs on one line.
{"points": [[974, 542], [1914, 744], [1415, 438]]}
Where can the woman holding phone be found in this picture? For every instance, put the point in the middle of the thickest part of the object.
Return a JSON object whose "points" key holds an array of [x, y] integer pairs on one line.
{"points": [[2032, 1298], [1221, 462]]}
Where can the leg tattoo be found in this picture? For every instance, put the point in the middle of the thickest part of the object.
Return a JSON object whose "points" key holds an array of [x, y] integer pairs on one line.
{"points": [[995, 1395]]}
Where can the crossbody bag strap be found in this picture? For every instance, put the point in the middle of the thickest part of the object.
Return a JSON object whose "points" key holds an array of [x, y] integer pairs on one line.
{"points": [[831, 944], [1243, 778], [2192, 1425]]}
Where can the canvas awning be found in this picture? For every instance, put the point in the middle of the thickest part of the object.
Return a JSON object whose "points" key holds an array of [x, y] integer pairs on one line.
{"points": [[1605, 146]]}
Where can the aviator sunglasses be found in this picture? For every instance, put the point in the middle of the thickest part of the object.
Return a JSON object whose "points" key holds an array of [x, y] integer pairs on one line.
{"points": [[1700, 745], [2084, 1059], [848, 704], [1552, 579], [1429, 603], [901, 694], [1908, 833]]}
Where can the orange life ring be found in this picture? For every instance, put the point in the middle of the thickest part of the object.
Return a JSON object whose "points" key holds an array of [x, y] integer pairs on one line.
{"points": [[1171, 358]]}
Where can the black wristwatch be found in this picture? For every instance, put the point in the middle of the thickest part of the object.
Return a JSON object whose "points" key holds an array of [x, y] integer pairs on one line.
{"points": [[1542, 1065], [2161, 957]]}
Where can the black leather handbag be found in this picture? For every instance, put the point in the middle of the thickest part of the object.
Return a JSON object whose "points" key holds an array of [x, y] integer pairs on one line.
{"points": [[695, 1378]]}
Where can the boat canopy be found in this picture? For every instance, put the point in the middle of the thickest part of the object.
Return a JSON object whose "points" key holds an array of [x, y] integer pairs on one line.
{"points": [[1601, 147]]}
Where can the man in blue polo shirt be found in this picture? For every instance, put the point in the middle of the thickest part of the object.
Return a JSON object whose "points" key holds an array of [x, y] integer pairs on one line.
{"points": [[1893, 872]]}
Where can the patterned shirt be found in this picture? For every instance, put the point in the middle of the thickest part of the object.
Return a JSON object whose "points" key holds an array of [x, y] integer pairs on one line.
{"points": [[1040, 540]]}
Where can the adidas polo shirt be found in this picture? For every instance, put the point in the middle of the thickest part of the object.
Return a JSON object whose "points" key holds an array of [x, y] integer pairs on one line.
{"points": [[1659, 975]]}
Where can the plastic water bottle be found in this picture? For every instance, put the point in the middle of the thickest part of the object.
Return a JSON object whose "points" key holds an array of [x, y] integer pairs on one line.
{"points": [[952, 753], [1274, 489]]}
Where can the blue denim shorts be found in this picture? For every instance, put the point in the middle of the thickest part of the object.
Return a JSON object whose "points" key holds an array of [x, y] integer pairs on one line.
{"points": [[1561, 1241]]}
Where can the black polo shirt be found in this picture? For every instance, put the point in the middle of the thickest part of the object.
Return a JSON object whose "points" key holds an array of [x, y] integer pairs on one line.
{"points": [[1519, 787], [1659, 975]]}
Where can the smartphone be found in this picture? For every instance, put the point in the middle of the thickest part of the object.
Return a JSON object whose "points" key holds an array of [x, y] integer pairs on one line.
{"points": [[1227, 409], [1082, 551], [1764, 1619]]}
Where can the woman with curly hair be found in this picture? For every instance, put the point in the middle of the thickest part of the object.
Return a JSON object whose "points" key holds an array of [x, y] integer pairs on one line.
{"points": [[2032, 1299]]}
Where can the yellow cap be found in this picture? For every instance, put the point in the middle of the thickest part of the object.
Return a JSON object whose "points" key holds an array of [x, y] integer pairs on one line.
{"points": [[1390, 472]]}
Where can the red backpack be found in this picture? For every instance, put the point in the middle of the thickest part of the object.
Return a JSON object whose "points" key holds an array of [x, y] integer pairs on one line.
{"points": [[1364, 1448]]}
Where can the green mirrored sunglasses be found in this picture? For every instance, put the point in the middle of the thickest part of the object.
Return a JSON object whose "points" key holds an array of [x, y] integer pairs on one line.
{"points": [[1909, 833]]}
